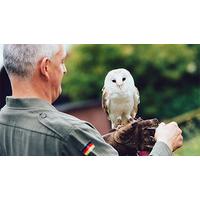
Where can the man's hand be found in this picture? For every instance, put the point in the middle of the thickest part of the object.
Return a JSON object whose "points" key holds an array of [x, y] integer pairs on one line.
{"points": [[170, 134], [134, 137]]}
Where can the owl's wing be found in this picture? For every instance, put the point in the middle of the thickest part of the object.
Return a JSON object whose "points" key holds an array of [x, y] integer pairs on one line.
{"points": [[105, 101], [136, 97]]}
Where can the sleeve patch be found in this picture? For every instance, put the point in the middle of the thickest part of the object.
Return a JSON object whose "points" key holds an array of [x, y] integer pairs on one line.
{"points": [[88, 149]]}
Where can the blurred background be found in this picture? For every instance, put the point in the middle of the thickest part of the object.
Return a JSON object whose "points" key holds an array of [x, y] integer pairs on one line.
{"points": [[167, 77]]}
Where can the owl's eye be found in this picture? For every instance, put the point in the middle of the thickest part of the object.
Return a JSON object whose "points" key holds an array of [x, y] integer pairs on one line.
{"points": [[114, 81], [123, 79]]}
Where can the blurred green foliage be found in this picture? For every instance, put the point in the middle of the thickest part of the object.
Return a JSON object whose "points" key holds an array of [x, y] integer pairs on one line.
{"points": [[190, 147], [167, 76], [189, 123]]}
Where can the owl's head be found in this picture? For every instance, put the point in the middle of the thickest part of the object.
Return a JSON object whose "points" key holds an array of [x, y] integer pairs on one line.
{"points": [[119, 79]]}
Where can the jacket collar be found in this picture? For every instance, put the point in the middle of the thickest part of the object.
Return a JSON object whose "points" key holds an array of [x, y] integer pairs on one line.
{"points": [[26, 103]]}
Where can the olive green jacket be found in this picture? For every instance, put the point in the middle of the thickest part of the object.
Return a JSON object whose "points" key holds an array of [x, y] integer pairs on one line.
{"points": [[33, 127]]}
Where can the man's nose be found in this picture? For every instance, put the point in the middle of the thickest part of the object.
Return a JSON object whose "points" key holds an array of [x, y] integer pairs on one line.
{"points": [[64, 69]]}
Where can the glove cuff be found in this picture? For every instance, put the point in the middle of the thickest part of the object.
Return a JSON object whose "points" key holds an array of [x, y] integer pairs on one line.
{"points": [[116, 143]]}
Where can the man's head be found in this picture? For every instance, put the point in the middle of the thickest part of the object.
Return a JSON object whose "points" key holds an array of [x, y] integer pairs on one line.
{"points": [[40, 66]]}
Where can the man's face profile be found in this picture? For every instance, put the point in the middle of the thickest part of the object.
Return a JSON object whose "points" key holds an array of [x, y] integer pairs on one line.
{"points": [[57, 70]]}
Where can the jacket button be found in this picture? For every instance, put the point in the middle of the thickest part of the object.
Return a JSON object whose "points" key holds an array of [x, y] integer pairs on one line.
{"points": [[43, 115]]}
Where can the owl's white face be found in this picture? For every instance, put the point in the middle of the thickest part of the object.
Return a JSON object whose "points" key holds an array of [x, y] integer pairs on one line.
{"points": [[118, 79]]}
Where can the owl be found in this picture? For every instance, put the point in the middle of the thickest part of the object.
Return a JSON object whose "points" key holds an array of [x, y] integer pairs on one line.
{"points": [[120, 97]]}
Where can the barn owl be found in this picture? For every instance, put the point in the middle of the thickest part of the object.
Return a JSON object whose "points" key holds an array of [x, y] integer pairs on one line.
{"points": [[120, 97]]}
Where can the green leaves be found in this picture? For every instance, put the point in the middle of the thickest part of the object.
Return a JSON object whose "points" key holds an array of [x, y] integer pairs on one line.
{"points": [[167, 76]]}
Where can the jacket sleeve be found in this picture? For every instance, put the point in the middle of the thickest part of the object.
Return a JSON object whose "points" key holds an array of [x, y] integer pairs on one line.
{"points": [[86, 140], [161, 149]]}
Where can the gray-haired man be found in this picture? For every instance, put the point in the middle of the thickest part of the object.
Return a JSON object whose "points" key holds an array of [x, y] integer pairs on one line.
{"points": [[30, 125]]}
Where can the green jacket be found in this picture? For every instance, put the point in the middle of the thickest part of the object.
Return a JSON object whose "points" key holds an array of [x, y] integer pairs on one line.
{"points": [[33, 127]]}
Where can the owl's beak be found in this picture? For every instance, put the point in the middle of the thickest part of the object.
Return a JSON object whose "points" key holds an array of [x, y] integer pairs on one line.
{"points": [[120, 85]]}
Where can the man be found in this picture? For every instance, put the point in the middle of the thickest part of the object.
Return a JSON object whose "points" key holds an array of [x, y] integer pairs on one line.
{"points": [[30, 125]]}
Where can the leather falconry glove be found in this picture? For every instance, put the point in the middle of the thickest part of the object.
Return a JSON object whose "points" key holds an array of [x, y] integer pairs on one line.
{"points": [[134, 137]]}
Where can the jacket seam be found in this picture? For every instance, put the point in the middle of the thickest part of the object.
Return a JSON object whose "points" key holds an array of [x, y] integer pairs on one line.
{"points": [[42, 133]]}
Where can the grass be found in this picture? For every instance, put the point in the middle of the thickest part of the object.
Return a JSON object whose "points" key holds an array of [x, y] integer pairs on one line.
{"points": [[190, 147]]}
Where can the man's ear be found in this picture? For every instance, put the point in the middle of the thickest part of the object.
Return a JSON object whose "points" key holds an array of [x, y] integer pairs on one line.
{"points": [[44, 68]]}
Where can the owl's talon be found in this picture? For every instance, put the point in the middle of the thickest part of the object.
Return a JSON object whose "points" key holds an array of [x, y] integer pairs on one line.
{"points": [[130, 119], [119, 126]]}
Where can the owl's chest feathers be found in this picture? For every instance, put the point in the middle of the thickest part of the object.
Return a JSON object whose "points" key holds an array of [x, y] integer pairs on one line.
{"points": [[121, 103], [119, 97]]}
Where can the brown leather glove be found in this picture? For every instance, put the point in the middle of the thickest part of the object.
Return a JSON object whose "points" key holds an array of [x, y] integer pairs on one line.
{"points": [[133, 137]]}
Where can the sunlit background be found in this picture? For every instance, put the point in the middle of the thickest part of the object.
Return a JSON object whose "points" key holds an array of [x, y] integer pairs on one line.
{"points": [[167, 76]]}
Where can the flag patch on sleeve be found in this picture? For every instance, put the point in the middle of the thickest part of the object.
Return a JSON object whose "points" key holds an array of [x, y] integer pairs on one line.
{"points": [[88, 149]]}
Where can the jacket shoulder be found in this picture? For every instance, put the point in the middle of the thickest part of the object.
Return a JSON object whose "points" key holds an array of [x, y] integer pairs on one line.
{"points": [[60, 123], [77, 134]]}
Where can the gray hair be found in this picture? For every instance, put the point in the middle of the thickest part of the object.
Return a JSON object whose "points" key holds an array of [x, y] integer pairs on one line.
{"points": [[20, 59]]}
